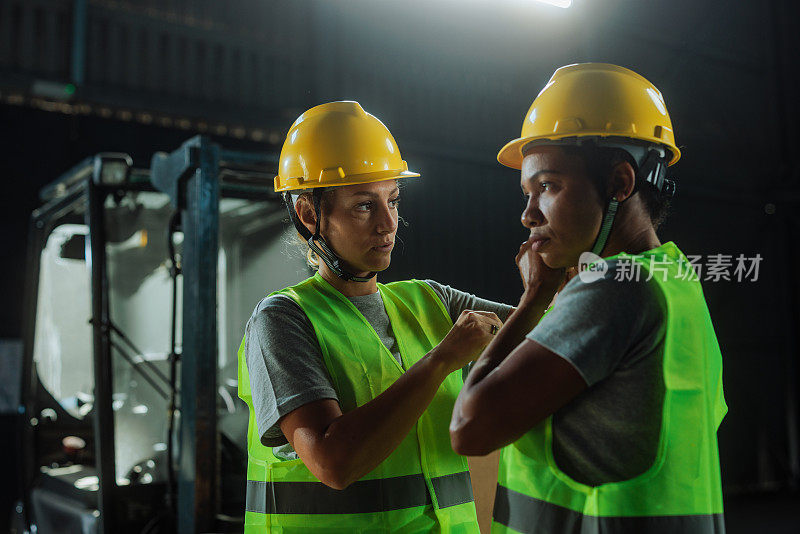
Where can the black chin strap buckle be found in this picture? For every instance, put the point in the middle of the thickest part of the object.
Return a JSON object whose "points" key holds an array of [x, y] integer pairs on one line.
{"points": [[320, 247]]}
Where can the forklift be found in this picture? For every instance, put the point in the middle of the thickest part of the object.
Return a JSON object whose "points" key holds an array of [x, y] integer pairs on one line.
{"points": [[139, 284]]}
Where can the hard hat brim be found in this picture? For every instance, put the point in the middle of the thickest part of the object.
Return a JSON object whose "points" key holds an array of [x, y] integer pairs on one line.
{"points": [[354, 179], [511, 153]]}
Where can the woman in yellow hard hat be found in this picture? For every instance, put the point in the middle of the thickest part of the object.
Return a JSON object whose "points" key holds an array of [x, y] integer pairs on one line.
{"points": [[351, 383], [617, 389]]}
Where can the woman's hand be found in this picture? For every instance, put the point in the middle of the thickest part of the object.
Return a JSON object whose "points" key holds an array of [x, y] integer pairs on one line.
{"points": [[540, 281], [469, 336]]}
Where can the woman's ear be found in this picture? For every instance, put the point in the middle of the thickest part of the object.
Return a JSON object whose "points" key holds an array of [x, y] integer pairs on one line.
{"points": [[622, 182], [306, 213]]}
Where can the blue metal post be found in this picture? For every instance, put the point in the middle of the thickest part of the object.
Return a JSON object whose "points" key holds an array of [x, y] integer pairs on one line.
{"points": [[103, 383], [190, 176], [197, 479]]}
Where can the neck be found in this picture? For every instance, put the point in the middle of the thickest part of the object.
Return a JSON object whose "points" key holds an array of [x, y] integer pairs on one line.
{"points": [[348, 288], [632, 232]]}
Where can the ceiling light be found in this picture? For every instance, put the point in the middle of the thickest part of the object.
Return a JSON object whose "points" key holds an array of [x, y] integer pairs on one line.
{"points": [[558, 3]]}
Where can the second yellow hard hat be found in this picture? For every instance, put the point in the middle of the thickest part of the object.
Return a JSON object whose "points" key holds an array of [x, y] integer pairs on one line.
{"points": [[335, 144], [597, 100]]}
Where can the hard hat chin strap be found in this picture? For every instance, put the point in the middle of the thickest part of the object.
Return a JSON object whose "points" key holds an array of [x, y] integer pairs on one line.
{"points": [[605, 229], [653, 169], [317, 243], [334, 263]]}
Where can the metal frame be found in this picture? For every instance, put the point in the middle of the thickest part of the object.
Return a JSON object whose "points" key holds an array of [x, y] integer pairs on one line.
{"points": [[189, 176], [192, 177]]}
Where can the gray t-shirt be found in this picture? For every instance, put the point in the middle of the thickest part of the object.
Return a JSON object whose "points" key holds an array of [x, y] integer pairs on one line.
{"points": [[285, 363], [612, 332]]}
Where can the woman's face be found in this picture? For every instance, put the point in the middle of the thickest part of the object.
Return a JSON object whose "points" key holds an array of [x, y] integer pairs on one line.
{"points": [[359, 223], [563, 207]]}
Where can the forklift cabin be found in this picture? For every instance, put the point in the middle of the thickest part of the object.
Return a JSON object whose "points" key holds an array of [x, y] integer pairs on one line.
{"points": [[140, 282]]}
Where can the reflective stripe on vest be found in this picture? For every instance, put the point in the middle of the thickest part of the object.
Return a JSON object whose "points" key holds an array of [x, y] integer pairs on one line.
{"points": [[681, 491], [533, 516], [361, 497]]}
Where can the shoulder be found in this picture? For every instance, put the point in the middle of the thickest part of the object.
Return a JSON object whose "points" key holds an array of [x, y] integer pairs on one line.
{"points": [[412, 287], [417, 296], [441, 290], [276, 303], [276, 312], [621, 282], [602, 323], [457, 301], [614, 304], [277, 331], [446, 293], [410, 283]]}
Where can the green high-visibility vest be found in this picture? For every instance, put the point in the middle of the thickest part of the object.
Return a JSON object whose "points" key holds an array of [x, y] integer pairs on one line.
{"points": [[681, 491], [423, 486]]}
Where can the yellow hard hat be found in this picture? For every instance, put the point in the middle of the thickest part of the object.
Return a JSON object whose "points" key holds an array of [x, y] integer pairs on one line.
{"points": [[338, 143], [596, 100]]}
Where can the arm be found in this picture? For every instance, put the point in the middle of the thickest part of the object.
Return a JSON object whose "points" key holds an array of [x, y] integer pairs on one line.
{"points": [[516, 377], [528, 385], [340, 448]]}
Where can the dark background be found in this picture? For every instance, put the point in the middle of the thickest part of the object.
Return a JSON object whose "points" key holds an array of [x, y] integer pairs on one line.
{"points": [[452, 80]]}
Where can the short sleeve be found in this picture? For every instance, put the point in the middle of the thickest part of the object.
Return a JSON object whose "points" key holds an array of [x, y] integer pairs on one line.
{"points": [[605, 324], [456, 301], [285, 364]]}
